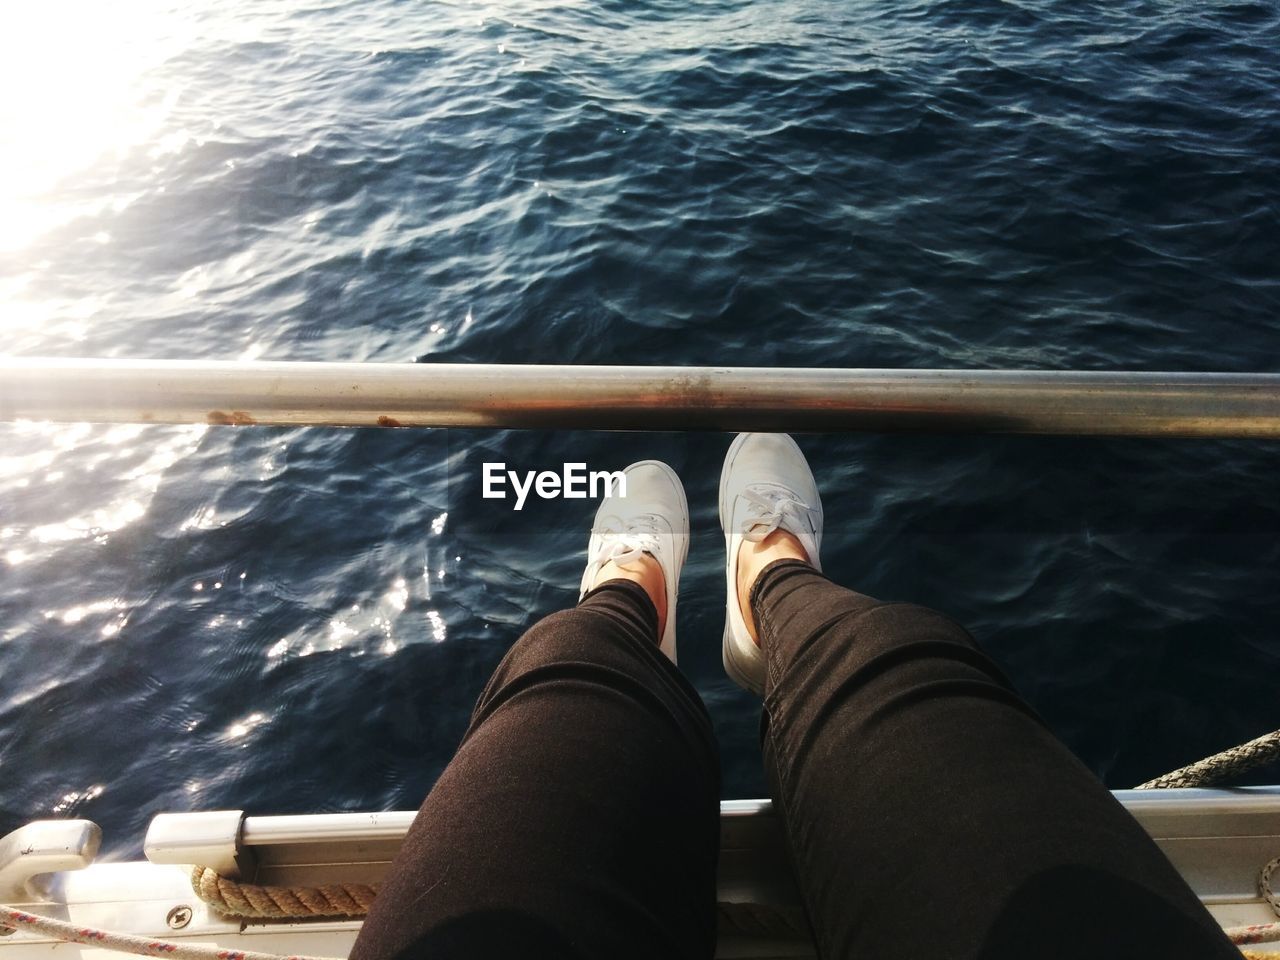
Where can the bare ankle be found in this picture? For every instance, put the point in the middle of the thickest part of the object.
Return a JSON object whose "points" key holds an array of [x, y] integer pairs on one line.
{"points": [[645, 571], [753, 557]]}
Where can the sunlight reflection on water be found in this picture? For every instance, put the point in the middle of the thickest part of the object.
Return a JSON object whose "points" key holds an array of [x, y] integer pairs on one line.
{"points": [[80, 66], [773, 182]]}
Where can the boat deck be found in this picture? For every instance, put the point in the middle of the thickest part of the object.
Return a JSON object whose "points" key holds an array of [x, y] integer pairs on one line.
{"points": [[1218, 839]]}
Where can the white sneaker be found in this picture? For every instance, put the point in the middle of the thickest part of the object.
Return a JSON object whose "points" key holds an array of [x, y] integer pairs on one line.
{"points": [[652, 518], [766, 485]]}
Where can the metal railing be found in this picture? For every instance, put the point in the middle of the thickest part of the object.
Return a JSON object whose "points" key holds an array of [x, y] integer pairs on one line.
{"points": [[641, 398]]}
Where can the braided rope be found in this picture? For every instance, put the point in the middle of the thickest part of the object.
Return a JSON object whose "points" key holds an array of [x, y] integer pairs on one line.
{"points": [[1220, 766], [1264, 886], [1260, 932], [14, 919], [748, 919], [1254, 933]]}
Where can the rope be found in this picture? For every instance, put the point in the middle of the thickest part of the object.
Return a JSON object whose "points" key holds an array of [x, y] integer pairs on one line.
{"points": [[249, 901], [1254, 933], [1260, 932], [1215, 769], [1220, 766], [15, 919], [750, 919], [1264, 886]]}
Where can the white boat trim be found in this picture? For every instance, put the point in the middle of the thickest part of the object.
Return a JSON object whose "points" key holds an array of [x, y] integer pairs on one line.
{"points": [[1217, 838]]}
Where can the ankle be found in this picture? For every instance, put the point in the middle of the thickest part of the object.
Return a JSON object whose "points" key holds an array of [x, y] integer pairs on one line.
{"points": [[645, 571], [753, 557]]}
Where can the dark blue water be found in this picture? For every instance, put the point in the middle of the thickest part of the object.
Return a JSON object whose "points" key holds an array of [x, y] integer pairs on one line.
{"points": [[284, 620]]}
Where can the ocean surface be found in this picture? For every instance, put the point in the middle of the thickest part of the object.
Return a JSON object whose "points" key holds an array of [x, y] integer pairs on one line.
{"points": [[299, 620]]}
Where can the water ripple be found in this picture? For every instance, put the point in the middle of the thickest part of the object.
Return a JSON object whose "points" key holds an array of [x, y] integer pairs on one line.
{"points": [[187, 615]]}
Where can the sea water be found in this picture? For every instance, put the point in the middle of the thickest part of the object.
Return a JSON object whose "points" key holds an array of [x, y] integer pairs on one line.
{"points": [[299, 620]]}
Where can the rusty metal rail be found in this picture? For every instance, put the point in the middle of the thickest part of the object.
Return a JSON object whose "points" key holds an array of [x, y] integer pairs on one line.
{"points": [[641, 398]]}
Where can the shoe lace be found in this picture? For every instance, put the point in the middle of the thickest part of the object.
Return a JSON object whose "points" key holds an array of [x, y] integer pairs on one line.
{"points": [[769, 508], [622, 542]]}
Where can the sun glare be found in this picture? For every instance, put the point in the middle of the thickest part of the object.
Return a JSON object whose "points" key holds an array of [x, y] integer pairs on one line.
{"points": [[72, 72]]}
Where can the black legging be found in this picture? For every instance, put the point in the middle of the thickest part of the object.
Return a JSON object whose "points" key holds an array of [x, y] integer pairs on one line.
{"points": [[928, 811]]}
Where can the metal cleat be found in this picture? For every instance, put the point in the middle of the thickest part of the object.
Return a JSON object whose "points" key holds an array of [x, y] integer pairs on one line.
{"points": [[44, 847]]}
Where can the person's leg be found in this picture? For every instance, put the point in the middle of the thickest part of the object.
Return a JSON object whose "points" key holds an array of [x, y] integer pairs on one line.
{"points": [[928, 810], [580, 816]]}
